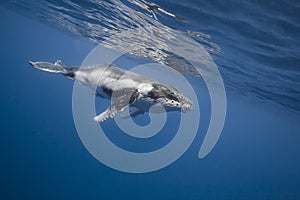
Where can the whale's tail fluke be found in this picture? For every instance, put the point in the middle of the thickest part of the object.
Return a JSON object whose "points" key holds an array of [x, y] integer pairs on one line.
{"points": [[57, 67]]}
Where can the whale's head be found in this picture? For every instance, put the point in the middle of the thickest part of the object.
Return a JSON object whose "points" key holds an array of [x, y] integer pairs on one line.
{"points": [[170, 97]]}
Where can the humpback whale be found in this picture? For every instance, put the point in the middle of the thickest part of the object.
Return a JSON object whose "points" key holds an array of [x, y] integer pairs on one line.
{"points": [[122, 87]]}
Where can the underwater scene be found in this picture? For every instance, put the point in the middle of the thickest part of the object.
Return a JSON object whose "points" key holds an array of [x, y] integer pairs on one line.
{"points": [[161, 99]]}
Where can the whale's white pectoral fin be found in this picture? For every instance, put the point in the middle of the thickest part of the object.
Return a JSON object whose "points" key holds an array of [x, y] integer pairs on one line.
{"points": [[119, 104], [109, 113]]}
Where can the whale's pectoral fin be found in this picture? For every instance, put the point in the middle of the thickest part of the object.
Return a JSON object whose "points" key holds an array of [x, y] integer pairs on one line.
{"points": [[110, 112], [118, 105], [133, 112]]}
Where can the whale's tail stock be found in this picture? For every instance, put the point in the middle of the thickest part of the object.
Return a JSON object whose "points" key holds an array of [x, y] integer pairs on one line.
{"points": [[57, 67]]}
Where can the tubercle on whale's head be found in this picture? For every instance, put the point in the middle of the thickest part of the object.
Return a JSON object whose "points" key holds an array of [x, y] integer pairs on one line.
{"points": [[170, 97]]}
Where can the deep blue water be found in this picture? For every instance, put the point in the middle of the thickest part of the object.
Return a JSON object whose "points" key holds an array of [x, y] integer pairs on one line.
{"points": [[256, 48]]}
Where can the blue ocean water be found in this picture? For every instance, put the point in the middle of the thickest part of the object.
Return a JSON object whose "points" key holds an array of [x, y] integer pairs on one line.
{"points": [[255, 45]]}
